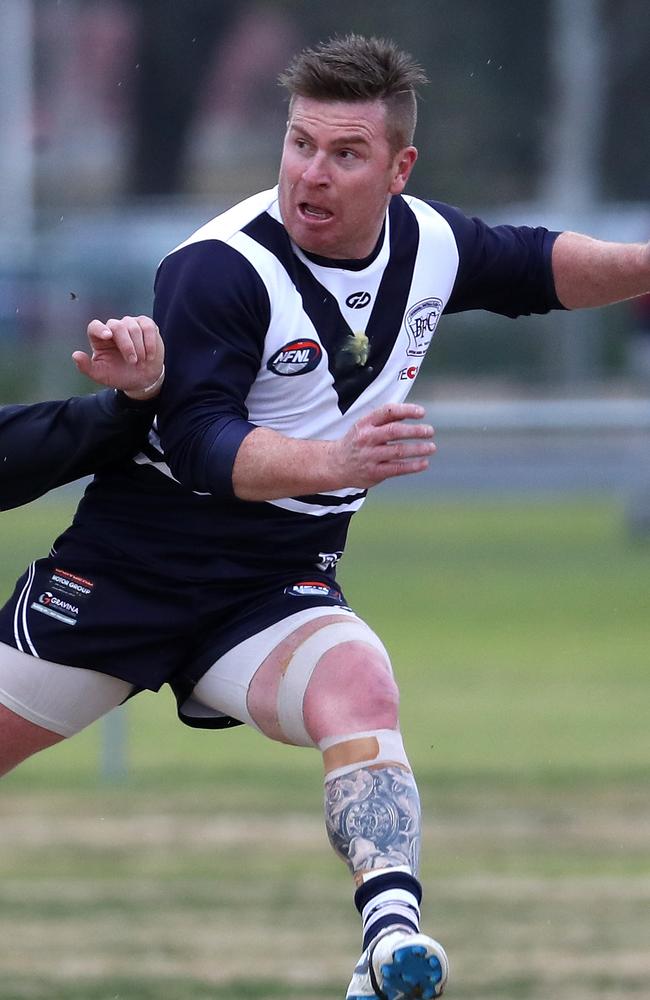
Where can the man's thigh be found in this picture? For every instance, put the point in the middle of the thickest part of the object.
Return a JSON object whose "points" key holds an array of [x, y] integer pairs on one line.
{"points": [[55, 698], [263, 680], [225, 686], [20, 738], [212, 691]]}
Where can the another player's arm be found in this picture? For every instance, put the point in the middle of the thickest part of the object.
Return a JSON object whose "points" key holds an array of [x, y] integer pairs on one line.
{"points": [[126, 354], [44, 445], [269, 465]]}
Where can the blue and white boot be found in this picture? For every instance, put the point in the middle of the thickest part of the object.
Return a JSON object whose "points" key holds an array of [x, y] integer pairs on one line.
{"points": [[400, 965]]}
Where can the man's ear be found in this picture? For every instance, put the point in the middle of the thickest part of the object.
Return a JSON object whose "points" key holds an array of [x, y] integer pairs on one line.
{"points": [[402, 166]]}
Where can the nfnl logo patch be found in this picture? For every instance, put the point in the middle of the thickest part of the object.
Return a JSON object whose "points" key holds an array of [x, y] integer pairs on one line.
{"points": [[421, 322], [312, 588], [295, 358]]}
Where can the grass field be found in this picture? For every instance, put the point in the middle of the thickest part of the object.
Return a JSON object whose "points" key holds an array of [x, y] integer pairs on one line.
{"points": [[520, 634]]}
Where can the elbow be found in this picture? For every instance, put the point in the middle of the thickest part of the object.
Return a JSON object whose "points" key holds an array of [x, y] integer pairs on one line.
{"points": [[204, 459]]}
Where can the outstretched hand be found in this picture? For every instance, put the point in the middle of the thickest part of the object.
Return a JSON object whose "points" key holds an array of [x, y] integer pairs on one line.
{"points": [[127, 354], [383, 445]]}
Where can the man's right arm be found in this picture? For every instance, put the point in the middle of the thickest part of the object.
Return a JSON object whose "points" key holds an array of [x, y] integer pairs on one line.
{"points": [[380, 446], [214, 311]]}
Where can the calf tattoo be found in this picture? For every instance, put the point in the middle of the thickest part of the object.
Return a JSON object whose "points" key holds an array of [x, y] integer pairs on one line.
{"points": [[373, 818]]}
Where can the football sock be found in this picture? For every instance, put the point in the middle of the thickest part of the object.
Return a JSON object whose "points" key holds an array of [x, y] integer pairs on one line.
{"points": [[387, 897]]}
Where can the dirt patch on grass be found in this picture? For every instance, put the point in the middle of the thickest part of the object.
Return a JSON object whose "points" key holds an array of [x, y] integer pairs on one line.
{"points": [[91, 897]]}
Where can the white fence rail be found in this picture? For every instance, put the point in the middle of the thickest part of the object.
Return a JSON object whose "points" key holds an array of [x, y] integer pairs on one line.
{"points": [[542, 414], [536, 447]]}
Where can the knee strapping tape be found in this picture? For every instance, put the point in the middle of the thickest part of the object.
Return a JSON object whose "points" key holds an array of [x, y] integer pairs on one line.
{"points": [[378, 748], [291, 691]]}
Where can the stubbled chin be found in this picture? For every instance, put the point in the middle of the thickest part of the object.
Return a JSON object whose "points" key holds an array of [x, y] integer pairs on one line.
{"points": [[312, 244], [318, 236], [311, 234]]}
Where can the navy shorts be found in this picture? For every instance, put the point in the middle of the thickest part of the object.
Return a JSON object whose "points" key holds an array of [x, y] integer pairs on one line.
{"points": [[105, 613]]}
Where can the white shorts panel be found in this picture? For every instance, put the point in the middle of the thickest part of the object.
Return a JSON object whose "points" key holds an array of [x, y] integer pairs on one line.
{"points": [[59, 698]]}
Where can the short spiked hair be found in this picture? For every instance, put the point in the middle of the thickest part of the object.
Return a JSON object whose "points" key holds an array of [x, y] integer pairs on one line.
{"points": [[356, 68]]}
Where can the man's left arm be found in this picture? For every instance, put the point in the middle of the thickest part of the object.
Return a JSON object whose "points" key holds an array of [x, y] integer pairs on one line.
{"points": [[590, 272]]}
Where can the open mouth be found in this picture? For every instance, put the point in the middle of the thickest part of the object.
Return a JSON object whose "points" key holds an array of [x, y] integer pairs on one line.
{"points": [[313, 212]]}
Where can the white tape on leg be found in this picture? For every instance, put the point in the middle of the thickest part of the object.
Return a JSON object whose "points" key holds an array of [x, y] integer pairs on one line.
{"points": [[376, 748], [293, 685]]}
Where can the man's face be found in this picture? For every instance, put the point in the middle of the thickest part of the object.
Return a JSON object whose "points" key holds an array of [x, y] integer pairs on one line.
{"points": [[337, 175]]}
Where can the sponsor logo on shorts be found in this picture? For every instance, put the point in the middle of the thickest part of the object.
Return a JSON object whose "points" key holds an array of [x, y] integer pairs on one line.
{"points": [[313, 588], [71, 584], [49, 604], [421, 322], [50, 600], [296, 358], [328, 560]]}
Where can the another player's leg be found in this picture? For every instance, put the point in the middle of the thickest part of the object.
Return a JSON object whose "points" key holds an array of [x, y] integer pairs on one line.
{"points": [[42, 703]]}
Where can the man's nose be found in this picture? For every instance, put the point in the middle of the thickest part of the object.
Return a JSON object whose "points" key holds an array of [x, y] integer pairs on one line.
{"points": [[316, 171]]}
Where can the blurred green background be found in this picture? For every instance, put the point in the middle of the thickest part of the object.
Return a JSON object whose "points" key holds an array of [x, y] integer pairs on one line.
{"points": [[519, 631]]}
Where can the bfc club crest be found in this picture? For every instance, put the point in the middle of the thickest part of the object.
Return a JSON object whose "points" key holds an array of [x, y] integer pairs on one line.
{"points": [[421, 322]]}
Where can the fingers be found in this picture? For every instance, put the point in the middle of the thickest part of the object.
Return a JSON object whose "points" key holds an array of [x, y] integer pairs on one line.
{"points": [[128, 339], [386, 425], [135, 337], [150, 337], [385, 444], [82, 361], [98, 333], [390, 412], [403, 459], [402, 467], [388, 461]]}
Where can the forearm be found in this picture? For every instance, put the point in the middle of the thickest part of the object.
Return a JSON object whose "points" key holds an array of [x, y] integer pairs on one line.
{"points": [[379, 446], [590, 272], [269, 466]]}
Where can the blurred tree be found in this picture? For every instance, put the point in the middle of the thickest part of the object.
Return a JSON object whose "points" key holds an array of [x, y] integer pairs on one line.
{"points": [[627, 137], [484, 119], [176, 41], [482, 116], [486, 94]]}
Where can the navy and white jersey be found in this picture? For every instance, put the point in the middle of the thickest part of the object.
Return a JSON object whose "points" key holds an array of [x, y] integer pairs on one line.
{"points": [[259, 333], [44, 445]]}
